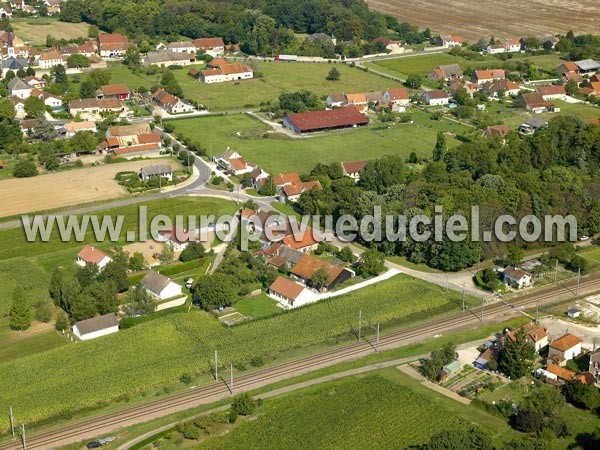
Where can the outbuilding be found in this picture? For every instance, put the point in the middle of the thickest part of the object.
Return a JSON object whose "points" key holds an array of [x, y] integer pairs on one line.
{"points": [[96, 327]]}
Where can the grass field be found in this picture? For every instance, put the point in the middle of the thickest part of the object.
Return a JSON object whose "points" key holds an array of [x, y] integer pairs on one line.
{"points": [[420, 65], [36, 30], [301, 155], [100, 371], [39, 338], [258, 306], [381, 410], [277, 78]]}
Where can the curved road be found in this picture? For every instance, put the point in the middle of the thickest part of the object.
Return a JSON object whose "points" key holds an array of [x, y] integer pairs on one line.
{"points": [[113, 422]]}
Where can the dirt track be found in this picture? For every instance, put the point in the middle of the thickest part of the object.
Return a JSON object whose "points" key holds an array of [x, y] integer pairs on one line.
{"points": [[503, 19], [73, 187]]}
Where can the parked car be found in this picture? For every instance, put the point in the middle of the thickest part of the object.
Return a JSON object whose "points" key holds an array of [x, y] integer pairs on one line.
{"points": [[584, 238], [94, 444], [106, 440]]}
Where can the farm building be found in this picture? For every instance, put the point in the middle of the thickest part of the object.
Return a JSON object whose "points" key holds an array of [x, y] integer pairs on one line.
{"points": [[92, 255], [437, 97], [531, 125], [288, 293], [160, 286], [96, 327], [160, 170], [309, 265], [307, 122]]}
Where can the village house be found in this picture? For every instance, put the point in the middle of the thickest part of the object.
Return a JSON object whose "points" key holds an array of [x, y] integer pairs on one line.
{"points": [[259, 177], [556, 373], [280, 256], [495, 88], [50, 100], [535, 103], [218, 71], [494, 49], [536, 334], [359, 101], [397, 96], [50, 59], [309, 265], [117, 91], [516, 277], [214, 47], [170, 103], [481, 77], [375, 99], [92, 255], [437, 97], [531, 125], [96, 327], [72, 128], [564, 348], [18, 88], [19, 105], [512, 45], [159, 286], [552, 92], [36, 82], [181, 47], [288, 293], [310, 121], [353, 169], [167, 58], [14, 64], [94, 109], [140, 146], [335, 101], [305, 244], [567, 67], [112, 45], [446, 73], [388, 44], [177, 238], [292, 192], [159, 170], [450, 41], [497, 131], [233, 162], [5, 12]]}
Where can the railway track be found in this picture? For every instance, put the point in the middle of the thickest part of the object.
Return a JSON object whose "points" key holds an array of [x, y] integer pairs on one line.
{"points": [[111, 422]]}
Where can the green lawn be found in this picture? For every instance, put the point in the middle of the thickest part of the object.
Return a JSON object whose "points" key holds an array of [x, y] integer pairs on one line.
{"points": [[19, 344], [577, 109], [258, 306], [6, 171], [280, 155], [385, 409]]}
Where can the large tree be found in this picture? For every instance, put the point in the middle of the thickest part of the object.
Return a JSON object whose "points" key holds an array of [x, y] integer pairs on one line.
{"points": [[517, 355], [215, 291], [20, 315]]}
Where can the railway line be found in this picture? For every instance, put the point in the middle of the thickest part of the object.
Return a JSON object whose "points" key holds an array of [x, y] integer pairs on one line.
{"points": [[112, 422]]}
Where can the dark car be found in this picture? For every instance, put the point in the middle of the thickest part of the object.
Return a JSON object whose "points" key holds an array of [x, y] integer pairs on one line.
{"points": [[94, 444]]}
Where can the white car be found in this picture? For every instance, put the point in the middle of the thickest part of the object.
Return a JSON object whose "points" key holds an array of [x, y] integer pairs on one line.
{"points": [[106, 440], [584, 238]]}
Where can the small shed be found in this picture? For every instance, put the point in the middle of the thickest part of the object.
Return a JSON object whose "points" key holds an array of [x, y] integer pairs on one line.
{"points": [[96, 327], [448, 370], [574, 313]]}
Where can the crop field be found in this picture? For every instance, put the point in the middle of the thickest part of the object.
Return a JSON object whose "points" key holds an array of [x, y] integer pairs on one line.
{"points": [[352, 413], [23, 273], [101, 370], [281, 154], [277, 77], [68, 188], [35, 30], [474, 20]]}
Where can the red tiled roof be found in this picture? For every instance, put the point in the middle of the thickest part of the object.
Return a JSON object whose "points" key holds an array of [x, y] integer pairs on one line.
{"points": [[319, 120], [286, 288], [287, 178], [398, 93], [114, 38], [307, 240], [91, 254], [209, 43], [560, 372], [497, 130], [490, 74], [149, 138], [354, 167], [308, 265], [552, 90], [571, 66], [535, 332], [135, 149], [115, 89], [565, 342], [437, 93]]}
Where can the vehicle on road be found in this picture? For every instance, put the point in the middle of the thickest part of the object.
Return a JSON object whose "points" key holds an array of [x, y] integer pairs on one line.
{"points": [[289, 58], [94, 444], [106, 440]]}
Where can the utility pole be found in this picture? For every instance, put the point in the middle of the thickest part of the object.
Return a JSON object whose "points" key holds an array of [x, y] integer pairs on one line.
{"points": [[231, 378], [537, 311], [216, 369], [463, 296], [377, 344], [578, 280], [12, 423], [359, 322], [482, 307], [23, 437], [556, 271]]}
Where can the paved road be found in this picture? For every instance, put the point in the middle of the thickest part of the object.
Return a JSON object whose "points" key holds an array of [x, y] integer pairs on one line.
{"points": [[112, 422]]}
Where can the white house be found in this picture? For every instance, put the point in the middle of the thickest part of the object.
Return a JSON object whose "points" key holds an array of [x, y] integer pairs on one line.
{"points": [[226, 72], [96, 327], [512, 45], [93, 255], [335, 101], [517, 277], [53, 101], [353, 169], [18, 88], [437, 97], [75, 127], [494, 49], [161, 170], [182, 47], [50, 59], [178, 238], [552, 92], [449, 41], [289, 294], [536, 334], [397, 96], [160, 286], [564, 348], [234, 163]]}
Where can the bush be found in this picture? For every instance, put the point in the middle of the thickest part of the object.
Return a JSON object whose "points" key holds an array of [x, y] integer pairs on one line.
{"points": [[186, 378], [192, 432], [25, 168], [233, 416], [244, 404], [257, 361]]}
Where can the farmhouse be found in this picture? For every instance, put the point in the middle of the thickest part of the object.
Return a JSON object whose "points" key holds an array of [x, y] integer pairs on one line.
{"points": [[212, 46], [304, 244], [359, 101], [96, 327], [181, 47], [387, 43], [531, 125], [552, 92], [444, 73], [487, 76], [168, 58], [536, 334], [292, 192], [142, 145], [288, 293], [310, 121], [50, 59], [353, 169], [437, 97], [93, 109], [117, 91], [564, 348], [397, 96], [335, 101], [309, 265], [233, 162], [92, 255], [517, 277], [224, 71], [159, 170], [170, 103], [535, 103], [587, 66], [128, 130], [159, 286], [449, 41], [495, 88], [112, 45], [278, 255]]}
